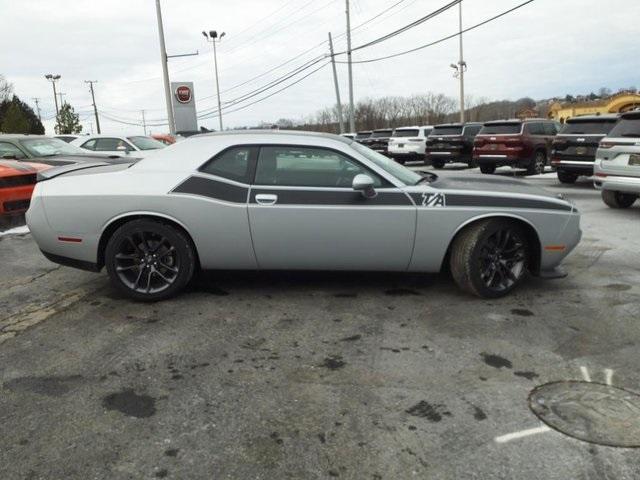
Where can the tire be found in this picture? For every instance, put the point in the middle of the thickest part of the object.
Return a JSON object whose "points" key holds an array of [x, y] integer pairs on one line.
{"points": [[490, 258], [437, 164], [566, 177], [148, 260], [472, 164], [487, 168], [536, 167], [399, 160], [618, 199]]}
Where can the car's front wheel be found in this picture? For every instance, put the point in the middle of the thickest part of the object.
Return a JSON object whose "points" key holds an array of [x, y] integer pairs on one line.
{"points": [[618, 199], [490, 258], [149, 260]]}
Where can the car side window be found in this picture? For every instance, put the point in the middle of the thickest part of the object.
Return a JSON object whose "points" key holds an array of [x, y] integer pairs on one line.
{"points": [[111, 144], [308, 167], [10, 150], [90, 145], [550, 129], [233, 164]]}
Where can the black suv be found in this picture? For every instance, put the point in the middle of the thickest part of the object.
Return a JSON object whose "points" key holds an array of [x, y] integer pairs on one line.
{"points": [[379, 140], [574, 149], [451, 142]]}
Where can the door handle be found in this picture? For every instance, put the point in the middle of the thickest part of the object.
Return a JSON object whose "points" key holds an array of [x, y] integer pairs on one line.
{"points": [[266, 199]]}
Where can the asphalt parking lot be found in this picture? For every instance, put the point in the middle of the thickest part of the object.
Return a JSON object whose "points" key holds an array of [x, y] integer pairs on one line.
{"points": [[314, 375]]}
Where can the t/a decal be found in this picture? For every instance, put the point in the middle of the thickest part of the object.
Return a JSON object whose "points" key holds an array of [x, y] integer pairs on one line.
{"points": [[433, 200]]}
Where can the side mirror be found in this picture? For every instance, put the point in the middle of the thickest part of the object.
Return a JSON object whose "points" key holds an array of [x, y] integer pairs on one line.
{"points": [[365, 185], [122, 148], [9, 156]]}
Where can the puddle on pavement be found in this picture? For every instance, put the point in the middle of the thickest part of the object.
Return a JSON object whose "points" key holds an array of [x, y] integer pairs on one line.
{"points": [[591, 412]]}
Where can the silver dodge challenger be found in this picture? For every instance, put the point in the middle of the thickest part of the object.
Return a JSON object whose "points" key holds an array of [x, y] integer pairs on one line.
{"points": [[293, 200]]}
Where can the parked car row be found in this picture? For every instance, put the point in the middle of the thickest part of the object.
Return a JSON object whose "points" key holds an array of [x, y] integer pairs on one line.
{"points": [[22, 157]]}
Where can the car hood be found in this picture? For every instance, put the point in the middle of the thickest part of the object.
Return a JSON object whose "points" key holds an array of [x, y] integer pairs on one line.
{"points": [[12, 168], [487, 183]]}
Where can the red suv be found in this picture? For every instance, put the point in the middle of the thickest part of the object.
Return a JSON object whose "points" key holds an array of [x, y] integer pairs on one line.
{"points": [[518, 143]]}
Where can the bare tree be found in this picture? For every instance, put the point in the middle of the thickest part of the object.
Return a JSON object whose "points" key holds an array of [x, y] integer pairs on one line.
{"points": [[6, 88]]}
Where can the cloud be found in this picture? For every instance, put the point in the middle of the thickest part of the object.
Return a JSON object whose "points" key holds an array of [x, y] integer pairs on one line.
{"points": [[547, 48]]}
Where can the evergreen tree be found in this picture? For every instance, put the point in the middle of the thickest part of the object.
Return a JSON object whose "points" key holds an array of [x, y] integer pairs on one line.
{"points": [[34, 125], [68, 122], [14, 121]]}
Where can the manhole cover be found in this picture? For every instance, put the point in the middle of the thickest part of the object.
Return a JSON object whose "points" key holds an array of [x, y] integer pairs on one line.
{"points": [[592, 412]]}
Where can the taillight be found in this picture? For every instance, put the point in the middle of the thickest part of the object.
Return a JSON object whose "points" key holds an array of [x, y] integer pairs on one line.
{"points": [[478, 142], [607, 145]]}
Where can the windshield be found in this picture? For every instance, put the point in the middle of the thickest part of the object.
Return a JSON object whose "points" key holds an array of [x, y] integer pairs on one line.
{"points": [[47, 147], [626, 127], [406, 133], [501, 129], [593, 127], [382, 133], [146, 143], [406, 176], [447, 131]]}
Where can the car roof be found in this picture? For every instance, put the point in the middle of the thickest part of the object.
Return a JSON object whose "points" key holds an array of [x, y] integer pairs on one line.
{"points": [[383, 129], [611, 117], [517, 120], [443, 125], [10, 136], [361, 132], [633, 115], [278, 133]]}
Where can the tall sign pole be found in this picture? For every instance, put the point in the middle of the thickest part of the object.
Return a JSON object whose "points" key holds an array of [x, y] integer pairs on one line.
{"points": [[462, 66], [352, 121], [93, 99], [335, 81], [37, 102], [165, 70]]}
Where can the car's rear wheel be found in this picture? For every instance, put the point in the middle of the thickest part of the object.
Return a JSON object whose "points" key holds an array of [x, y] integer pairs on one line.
{"points": [[536, 167], [490, 258], [148, 260], [401, 161], [566, 177], [487, 168], [618, 199], [437, 164]]}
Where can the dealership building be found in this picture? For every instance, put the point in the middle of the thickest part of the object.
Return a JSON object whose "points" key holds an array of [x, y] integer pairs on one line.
{"points": [[622, 102]]}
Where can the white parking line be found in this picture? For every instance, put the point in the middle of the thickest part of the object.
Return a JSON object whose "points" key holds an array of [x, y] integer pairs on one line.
{"points": [[608, 376], [585, 374], [521, 434]]}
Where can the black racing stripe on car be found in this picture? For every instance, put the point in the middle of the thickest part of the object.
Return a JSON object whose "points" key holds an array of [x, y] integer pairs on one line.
{"points": [[207, 187], [329, 197], [461, 200]]}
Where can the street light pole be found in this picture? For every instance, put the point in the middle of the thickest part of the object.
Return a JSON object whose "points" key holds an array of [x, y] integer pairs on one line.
{"points": [[352, 121], [53, 79], [335, 81], [213, 38], [165, 71], [462, 66]]}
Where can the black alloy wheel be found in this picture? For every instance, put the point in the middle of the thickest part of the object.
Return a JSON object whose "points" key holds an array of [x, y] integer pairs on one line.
{"points": [[490, 258], [149, 260]]}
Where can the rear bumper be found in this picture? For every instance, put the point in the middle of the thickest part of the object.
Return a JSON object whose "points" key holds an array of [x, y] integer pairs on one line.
{"points": [[573, 166], [498, 159], [447, 156], [71, 262], [618, 183], [15, 200]]}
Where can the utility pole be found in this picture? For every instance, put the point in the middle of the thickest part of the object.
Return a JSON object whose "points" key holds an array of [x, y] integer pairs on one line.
{"points": [[335, 81], [352, 121], [462, 66], [61, 94], [37, 100], [144, 123], [213, 38], [165, 71], [93, 98]]}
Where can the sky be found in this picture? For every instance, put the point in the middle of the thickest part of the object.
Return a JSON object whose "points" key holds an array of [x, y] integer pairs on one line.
{"points": [[547, 48]]}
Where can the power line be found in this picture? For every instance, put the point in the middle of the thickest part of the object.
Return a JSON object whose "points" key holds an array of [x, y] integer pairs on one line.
{"points": [[443, 39]]}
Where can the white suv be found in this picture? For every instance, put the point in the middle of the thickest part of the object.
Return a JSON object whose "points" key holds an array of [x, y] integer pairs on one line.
{"points": [[409, 143]]}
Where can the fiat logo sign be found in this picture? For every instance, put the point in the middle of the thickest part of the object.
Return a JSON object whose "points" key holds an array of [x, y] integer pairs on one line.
{"points": [[183, 94]]}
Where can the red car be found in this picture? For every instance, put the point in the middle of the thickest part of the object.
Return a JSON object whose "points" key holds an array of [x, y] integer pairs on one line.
{"points": [[517, 143], [17, 180]]}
